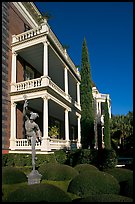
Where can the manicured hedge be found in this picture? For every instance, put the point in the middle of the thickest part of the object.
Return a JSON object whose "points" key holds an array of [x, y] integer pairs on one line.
{"points": [[56, 171], [85, 167], [92, 183], [82, 156], [106, 198], [107, 158], [39, 193], [12, 175], [121, 174], [125, 179]]}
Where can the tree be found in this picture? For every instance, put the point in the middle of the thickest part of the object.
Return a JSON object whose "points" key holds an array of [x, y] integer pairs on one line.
{"points": [[122, 130], [107, 139], [87, 116]]}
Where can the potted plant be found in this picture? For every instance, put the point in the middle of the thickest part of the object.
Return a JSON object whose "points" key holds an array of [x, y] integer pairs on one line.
{"points": [[53, 131]]}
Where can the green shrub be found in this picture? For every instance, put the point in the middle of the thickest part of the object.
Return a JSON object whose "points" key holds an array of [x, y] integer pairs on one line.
{"points": [[125, 179], [58, 172], [107, 158], [82, 156], [60, 156], [127, 188], [39, 193], [106, 198], [12, 175], [45, 158], [85, 167], [120, 174], [4, 159], [93, 182]]}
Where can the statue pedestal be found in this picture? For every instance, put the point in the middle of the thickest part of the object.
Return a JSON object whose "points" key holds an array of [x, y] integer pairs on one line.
{"points": [[34, 177]]}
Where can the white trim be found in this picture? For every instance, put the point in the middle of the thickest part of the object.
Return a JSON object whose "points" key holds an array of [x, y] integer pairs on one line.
{"points": [[25, 14]]}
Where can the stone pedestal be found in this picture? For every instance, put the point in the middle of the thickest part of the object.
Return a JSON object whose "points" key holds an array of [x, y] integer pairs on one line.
{"points": [[34, 177]]}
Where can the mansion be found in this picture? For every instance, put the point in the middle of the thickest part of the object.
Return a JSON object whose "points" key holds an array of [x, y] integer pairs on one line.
{"points": [[37, 68]]}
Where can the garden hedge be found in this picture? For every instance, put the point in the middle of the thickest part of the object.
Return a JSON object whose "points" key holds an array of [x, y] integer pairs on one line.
{"points": [[85, 167], [106, 198], [125, 179], [12, 175], [92, 183], [38, 193], [56, 171]]}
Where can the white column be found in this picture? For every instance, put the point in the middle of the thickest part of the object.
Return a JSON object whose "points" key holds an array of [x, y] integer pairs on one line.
{"points": [[78, 93], [13, 75], [67, 128], [45, 146], [79, 130], [99, 103], [66, 79], [45, 59], [13, 126]]}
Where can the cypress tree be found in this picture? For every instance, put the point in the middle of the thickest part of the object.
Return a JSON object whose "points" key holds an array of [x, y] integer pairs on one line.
{"points": [[107, 139], [87, 116]]}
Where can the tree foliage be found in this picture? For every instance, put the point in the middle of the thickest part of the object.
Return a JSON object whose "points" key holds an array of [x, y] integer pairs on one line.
{"points": [[87, 116], [121, 127], [107, 139]]}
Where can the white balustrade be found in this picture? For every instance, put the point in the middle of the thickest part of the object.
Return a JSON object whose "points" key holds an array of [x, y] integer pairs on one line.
{"points": [[26, 35]]}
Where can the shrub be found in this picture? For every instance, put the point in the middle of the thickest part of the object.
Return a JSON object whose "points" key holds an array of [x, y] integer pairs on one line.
{"points": [[82, 156], [85, 167], [125, 179], [21, 160], [93, 182], [60, 156], [106, 198], [58, 172], [45, 158], [120, 174], [107, 158], [12, 175], [39, 193]]}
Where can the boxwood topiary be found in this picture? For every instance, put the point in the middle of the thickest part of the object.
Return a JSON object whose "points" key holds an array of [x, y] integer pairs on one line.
{"points": [[85, 167], [93, 182], [56, 171], [106, 198], [39, 193], [125, 179], [120, 174], [12, 175]]}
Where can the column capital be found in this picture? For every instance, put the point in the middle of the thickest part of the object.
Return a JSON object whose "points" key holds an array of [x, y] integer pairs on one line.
{"points": [[46, 42], [13, 104], [46, 97], [14, 53], [78, 115]]}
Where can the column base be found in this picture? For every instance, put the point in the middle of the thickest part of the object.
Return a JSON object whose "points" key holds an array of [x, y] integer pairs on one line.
{"points": [[45, 145], [12, 144]]}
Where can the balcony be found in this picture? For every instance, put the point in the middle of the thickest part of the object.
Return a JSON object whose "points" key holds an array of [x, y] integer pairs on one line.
{"points": [[36, 36], [37, 84]]}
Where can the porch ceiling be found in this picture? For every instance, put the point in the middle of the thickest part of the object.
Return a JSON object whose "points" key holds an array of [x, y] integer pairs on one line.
{"points": [[34, 56]]}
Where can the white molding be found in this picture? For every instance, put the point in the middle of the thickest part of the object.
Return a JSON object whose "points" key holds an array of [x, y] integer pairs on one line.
{"points": [[25, 14]]}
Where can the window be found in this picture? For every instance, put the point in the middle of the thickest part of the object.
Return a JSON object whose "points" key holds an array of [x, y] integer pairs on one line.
{"points": [[29, 73]]}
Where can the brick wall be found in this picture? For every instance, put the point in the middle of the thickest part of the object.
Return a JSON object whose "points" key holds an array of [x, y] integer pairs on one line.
{"points": [[12, 23]]}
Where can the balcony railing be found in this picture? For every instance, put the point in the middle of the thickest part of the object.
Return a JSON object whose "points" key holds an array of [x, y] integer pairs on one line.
{"points": [[26, 35], [41, 30], [39, 83], [23, 144]]}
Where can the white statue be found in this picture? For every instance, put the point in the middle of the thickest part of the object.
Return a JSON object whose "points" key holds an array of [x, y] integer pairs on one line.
{"points": [[33, 133]]}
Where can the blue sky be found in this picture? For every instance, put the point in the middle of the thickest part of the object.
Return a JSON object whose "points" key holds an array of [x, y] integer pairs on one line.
{"points": [[108, 29]]}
